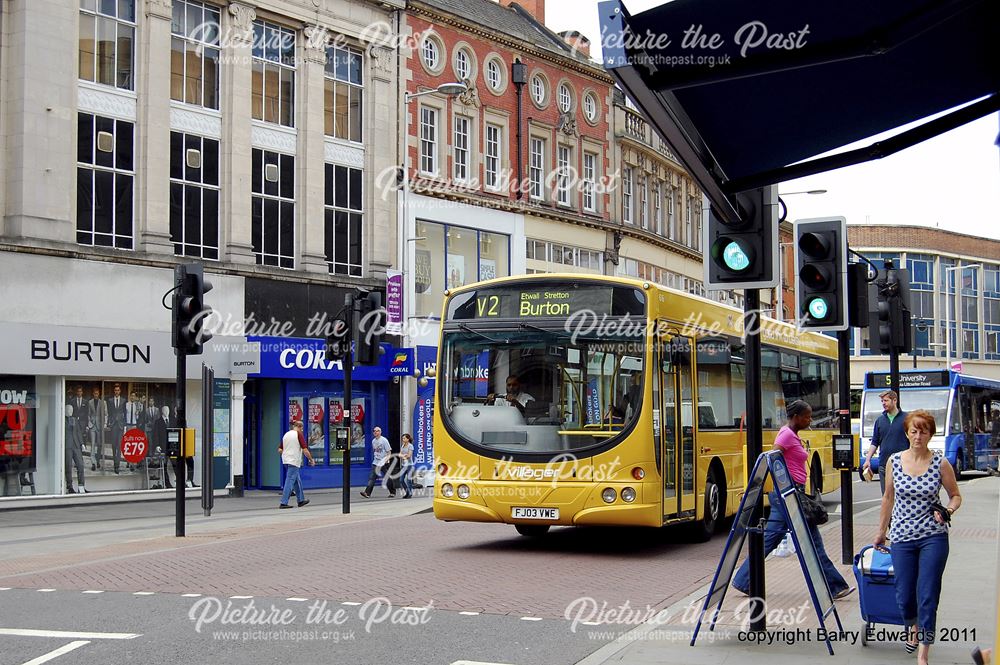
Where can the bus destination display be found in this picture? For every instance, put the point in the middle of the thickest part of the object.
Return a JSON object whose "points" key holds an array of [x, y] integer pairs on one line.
{"points": [[544, 301], [930, 379]]}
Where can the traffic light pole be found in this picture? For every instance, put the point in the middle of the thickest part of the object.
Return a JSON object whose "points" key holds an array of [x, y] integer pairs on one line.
{"points": [[846, 478], [180, 468], [348, 398], [755, 446]]}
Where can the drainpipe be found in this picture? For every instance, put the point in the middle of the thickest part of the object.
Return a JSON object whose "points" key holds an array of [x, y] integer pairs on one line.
{"points": [[519, 76]]}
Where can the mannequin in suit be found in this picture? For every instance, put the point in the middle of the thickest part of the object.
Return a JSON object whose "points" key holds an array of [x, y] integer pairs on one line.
{"points": [[116, 424], [97, 423]]}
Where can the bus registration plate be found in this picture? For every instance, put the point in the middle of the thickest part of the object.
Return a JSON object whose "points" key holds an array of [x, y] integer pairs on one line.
{"points": [[531, 513]]}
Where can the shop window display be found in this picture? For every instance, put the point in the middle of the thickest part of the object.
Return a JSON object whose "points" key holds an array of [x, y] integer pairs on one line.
{"points": [[98, 414]]}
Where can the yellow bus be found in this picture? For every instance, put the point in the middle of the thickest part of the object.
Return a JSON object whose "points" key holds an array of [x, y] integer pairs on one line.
{"points": [[593, 400]]}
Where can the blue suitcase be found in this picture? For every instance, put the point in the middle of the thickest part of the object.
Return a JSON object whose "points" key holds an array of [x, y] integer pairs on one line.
{"points": [[876, 589]]}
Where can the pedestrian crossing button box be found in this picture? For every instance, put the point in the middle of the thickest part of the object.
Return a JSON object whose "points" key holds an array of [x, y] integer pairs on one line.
{"points": [[343, 435], [843, 452], [174, 442]]}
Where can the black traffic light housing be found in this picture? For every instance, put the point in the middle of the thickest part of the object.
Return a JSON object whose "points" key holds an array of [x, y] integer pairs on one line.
{"points": [[889, 312], [821, 273], [189, 309], [338, 342], [744, 254], [371, 327]]}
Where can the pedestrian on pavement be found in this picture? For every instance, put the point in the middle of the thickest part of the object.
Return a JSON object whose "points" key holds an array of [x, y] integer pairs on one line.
{"points": [[888, 436], [293, 447], [381, 450], [919, 532], [406, 463], [788, 442]]}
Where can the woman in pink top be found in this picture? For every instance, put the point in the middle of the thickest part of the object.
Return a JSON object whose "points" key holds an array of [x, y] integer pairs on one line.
{"points": [[788, 442]]}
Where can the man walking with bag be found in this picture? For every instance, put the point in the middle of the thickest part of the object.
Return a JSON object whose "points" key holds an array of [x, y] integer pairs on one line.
{"points": [[293, 447], [380, 453]]}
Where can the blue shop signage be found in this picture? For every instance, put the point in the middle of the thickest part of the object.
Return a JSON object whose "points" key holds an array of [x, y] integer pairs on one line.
{"points": [[295, 358]]}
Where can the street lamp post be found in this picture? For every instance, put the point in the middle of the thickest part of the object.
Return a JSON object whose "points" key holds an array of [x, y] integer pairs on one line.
{"points": [[404, 239], [948, 308]]}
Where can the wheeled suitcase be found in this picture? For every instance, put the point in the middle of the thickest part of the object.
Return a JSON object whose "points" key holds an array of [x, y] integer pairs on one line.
{"points": [[876, 589]]}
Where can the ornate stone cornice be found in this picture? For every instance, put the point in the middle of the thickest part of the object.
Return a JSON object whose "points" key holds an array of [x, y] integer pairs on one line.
{"points": [[159, 9], [195, 122], [242, 21], [106, 102], [381, 59], [280, 140], [566, 62], [339, 153], [314, 48]]}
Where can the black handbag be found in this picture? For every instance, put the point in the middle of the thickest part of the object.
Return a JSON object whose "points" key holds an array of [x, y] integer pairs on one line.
{"points": [[813, 509], [942, 511]]}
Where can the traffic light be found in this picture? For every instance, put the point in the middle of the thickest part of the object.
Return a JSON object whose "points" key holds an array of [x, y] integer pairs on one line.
{"points": [[743, 254], [890, 326], [338, 342], [821, 273], [371, 326], [189, 309]]}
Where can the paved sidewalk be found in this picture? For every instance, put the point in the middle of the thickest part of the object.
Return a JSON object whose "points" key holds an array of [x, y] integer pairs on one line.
{"points": [[87, 524], [968, 606]]}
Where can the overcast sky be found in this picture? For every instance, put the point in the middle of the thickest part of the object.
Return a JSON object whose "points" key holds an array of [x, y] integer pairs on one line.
{"points": [[952, 181]]}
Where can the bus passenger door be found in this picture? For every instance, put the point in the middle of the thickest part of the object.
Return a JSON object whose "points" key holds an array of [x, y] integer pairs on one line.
{"points": [[678, 428], [689, 412]]}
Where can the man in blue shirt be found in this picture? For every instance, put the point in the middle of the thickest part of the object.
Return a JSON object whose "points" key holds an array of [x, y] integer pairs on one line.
{"points": [[889, 437]]}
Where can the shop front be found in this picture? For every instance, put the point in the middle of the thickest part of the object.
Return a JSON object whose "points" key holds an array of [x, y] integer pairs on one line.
{"points": [[86, 410], [296, 382]]}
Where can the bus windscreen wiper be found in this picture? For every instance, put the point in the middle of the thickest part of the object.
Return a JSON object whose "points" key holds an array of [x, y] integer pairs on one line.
{"points": [[465, 328], [523, 326]]}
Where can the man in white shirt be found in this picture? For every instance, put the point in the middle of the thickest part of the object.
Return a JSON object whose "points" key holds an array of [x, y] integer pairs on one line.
{"points": [[514, 397], [293, 447], [381, 450]]}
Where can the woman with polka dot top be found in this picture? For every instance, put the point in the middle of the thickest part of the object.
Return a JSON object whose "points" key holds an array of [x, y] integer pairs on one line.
{"points": [[919, 534]]}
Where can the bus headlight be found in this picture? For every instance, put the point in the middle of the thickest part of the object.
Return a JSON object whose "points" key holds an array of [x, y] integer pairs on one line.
{"points": [[463, 492], [609, 495], [447, 491], [628, 495]]}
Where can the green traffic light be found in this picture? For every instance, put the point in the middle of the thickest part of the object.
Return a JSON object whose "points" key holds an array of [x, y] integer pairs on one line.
{"points": [[818, 308], [734, 257]]}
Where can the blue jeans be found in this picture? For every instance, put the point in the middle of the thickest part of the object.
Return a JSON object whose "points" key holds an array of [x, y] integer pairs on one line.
{"points": [[406, 480], [774, 532], [292, 480], [919, 566]]}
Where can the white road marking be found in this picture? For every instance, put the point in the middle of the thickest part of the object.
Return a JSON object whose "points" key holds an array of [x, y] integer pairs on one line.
{"points": [[190, 595], [240, 597], [531, 618], [4, 588], [297, 600], [475, 662], [469, 614], [591, 623], [144, 593], [92, 591], [350, 604], [52, 655], [45, 590], [68, 635], [415, 609]]}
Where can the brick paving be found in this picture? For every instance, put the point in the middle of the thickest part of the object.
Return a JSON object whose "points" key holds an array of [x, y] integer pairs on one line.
{"points": [[411, 560]]}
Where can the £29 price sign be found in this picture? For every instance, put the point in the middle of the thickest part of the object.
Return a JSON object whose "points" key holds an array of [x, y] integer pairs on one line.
{"points": [[135, 446]]}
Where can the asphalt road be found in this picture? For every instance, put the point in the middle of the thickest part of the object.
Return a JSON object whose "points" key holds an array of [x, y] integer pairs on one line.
{"points": [[325, 589]]}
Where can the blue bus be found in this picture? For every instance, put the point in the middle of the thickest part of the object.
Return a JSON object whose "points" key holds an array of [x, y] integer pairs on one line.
{"points": [[963, 407]]}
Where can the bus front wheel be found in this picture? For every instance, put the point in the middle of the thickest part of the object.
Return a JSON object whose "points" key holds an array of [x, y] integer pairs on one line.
{"points": [[715, 506], [532, 530], [817, 478]]}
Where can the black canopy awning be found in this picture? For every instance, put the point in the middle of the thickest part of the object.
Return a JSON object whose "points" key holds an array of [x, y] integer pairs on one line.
{"points": [[787, 80]]}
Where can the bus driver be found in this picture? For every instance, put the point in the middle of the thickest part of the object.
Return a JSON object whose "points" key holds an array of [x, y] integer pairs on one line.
{"points": [[514, 397]]}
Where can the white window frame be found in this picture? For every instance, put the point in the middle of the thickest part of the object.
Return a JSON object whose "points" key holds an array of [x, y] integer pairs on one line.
{"points": [[589, 181], [95, 11], [347, 269], [204, 45], [493, 156], [461, 148], [494, 83], [565, 98], [658, 206], [266, 62], [462, 56], [536, 168], [203, 186], [644, 203], [360, 86], [429, 126], [539, 88], [431, 48], [564, 160], [627, 195]]}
